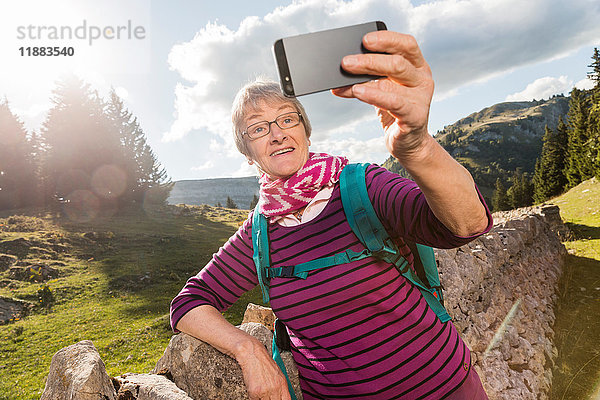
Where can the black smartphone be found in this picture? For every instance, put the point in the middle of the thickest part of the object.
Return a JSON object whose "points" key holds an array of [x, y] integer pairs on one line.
{"points": [[311, 62]]}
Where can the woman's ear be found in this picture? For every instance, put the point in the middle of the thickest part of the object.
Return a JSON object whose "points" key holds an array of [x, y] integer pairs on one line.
{"points": [[250, 161]]}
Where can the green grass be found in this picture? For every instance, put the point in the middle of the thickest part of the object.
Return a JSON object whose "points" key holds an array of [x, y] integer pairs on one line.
{"points": [[576, 374], [118, 278]]}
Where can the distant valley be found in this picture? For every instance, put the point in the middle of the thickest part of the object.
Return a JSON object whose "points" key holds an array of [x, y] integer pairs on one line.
{"points": [[213, 191]]}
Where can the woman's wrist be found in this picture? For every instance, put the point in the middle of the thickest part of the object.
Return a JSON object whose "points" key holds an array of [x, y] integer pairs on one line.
{"points": [[247, 348], [417, 153]]}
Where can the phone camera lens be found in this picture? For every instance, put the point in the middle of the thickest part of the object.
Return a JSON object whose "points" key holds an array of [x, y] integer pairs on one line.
{"points": [[289, 88]]}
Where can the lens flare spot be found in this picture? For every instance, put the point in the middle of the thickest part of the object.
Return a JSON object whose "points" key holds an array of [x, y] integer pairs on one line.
{"points": [[109, 181], [82, 206]]}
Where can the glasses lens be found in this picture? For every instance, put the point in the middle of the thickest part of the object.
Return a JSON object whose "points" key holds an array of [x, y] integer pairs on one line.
{"points": [[257, 130], [288, 120]]}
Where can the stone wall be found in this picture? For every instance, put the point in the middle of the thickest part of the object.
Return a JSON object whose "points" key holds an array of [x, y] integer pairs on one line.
{"points": [[500, 290]]}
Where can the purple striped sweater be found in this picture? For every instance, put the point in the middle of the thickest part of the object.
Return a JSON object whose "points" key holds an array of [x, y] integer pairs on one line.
{"points": [[358, 330]]}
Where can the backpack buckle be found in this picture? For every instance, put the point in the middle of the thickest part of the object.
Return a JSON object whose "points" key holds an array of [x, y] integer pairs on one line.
{"points": [[287, 271]]}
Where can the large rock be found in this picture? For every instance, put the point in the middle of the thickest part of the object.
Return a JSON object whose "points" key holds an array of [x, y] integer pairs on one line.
{"points": [[12, 309], [78, 373], [205, 373], [260, 314], [148, 387], [7, 261]]}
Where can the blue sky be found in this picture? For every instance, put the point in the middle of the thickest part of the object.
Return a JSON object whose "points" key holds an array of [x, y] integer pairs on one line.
{"points": [[180, 78]]}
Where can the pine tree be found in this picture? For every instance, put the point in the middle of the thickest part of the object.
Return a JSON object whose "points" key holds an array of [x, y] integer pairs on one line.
{"points": [[17, 171], [254, 202], [579, 160], [146, 178], [230, 203], [520, 194], [78, 141], [594, 114], [594, 75], [500, 201], [549, 179]]}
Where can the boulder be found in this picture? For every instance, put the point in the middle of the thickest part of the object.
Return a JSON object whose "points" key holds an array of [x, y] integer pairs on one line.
{"points": [[11, 309], [147, 387], [78, 373], [259, 314], [205, 373], [7, 261], [36, 272]]}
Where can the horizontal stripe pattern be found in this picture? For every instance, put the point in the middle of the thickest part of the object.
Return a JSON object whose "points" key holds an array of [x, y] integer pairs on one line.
{"points": [[359, 330]]}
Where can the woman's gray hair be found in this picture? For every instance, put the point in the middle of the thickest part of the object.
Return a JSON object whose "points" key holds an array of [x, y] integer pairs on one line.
{"points": [[248, 100]]}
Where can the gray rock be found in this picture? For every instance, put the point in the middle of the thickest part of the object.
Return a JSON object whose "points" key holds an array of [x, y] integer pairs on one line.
{"points": [[148, 387], [10, 309], [205, 373], [78, 373], [7, 261]]}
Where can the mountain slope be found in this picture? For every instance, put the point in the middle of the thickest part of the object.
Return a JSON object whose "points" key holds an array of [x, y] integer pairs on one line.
{"points": [[497, 140]]}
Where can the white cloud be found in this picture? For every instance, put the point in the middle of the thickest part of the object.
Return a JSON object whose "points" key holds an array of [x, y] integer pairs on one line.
{"points": [[542, 88], [463, 41], [207, 165], [585, 83]]}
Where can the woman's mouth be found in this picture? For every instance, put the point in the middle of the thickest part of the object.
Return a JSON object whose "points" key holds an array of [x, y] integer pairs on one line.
{"points": [[282, 151]]}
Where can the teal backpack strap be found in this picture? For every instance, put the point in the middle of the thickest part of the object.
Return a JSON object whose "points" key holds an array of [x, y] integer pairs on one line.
{"points": [[277, 357], [430, 266], [261, 257], [370, 231]]}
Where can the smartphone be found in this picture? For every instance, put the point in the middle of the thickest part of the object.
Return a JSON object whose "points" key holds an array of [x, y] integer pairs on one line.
{"points": [[311, 62]]}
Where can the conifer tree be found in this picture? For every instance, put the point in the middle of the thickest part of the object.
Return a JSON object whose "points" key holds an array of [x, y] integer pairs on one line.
{"points": [[78, 140], [145, 176], [594, 114], [500, 201], [520, 194], [230, 203], [549, 179], [594, 74], [17, 170], [254, 202], [579, 161]]}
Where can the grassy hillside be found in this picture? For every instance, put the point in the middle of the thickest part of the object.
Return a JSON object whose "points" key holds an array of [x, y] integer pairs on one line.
{"points": [[578, 314], [495, 141], [116, 277]]}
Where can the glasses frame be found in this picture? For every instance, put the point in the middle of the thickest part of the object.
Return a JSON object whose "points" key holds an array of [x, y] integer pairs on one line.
{"points": [[300, 120]]}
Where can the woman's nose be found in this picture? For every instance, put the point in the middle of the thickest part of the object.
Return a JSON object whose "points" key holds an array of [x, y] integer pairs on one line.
{"points": [[277, 134]]}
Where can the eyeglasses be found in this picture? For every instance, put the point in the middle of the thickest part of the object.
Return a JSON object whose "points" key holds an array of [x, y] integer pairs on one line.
{"points": [[262, 128]]}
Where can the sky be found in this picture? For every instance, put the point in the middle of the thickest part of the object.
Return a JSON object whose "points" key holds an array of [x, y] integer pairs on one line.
{"points": [[178, 64]]}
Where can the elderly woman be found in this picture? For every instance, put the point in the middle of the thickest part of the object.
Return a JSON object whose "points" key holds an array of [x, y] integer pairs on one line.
{"points": [[358, 330]]}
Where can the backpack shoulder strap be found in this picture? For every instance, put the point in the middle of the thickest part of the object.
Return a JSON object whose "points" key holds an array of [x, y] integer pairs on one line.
{"points": [[261, 256], [360, 212], [370, 231]]}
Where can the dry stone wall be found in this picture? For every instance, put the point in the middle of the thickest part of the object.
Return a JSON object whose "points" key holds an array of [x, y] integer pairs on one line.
{"points": [[500, 290]]}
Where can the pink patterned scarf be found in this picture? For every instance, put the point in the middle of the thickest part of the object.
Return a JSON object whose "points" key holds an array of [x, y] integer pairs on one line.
{"points": [[283, 196]]}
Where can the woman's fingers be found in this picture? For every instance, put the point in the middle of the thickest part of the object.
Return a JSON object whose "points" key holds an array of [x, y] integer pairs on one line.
{"points": [[395, 43], [393, 66]]}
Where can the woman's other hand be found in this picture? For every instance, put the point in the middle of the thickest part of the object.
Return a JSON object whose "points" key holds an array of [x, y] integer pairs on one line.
{"points": [[402, 97], [262, 376]]}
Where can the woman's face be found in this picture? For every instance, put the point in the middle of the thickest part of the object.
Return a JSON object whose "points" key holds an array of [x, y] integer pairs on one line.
{"points": [[281, 152]]}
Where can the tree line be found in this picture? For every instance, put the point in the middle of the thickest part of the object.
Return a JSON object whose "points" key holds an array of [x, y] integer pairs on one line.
{"points": [[570, 153], [90, 153]]}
